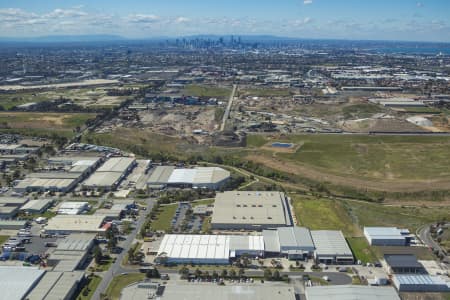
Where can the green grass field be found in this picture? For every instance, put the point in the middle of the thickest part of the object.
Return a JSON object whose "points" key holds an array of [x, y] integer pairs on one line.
{"points": [[120, 282], [263, 92], [207, 91], [43, 122], [380, 157], [370, 214], [361, 249], [318, 214], [362, 110], [164, 217]]}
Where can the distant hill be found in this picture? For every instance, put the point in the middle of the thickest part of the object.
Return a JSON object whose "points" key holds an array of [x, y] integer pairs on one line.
{"points": [[66, 38]]}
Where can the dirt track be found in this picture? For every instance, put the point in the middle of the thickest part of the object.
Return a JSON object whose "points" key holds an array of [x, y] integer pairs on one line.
{"points": [[363, 184]]}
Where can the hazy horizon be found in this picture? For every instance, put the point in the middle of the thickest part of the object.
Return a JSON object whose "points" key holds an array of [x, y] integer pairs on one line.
{"points": [[384, 20]]}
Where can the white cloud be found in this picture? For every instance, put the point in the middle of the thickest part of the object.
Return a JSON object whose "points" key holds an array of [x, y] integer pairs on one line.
{"points": [[143, 18], [307, 2], [182, 20]]}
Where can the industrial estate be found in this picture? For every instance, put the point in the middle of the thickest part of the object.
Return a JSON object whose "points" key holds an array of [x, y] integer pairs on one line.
{"points": [[224, 168]]}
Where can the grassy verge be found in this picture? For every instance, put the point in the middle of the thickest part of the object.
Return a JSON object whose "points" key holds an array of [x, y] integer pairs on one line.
{"points": [[323, 214], [120, 282], [87, 292], [361, 249], [164, 217], [3, 239]]}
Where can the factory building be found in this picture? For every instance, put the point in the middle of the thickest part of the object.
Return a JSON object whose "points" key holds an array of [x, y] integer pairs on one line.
{"points": [[237, 210], [387, 236], [57, 285], [293, 242], [331, 247], [404, 264], [110, 174], [37, 206], [345, 292], [71, 171], [199, 177], [420, 283], [73, 208], [67, 224], [207, 249], [9, 206], [17, 282], [72, 252]]}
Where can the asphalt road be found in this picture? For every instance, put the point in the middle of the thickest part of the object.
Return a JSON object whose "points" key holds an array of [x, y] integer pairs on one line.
{"points": [[116, 268], [425, 236], [226, 114]]}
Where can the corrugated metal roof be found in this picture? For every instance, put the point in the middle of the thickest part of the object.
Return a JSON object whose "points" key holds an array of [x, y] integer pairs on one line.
{"points": [[271, 241], [16, 282], [160, 175], [295, 237], [346, 292], [117, 164], [330, 242], [182, 176]]}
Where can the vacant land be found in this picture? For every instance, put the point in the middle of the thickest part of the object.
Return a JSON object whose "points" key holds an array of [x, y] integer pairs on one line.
{"points": [[44, 124], [265, 92], [87, 97], [371, 214], [319, 214], [120, 282], [164, 217], [380, 163], [207, 91], [361, 249]]}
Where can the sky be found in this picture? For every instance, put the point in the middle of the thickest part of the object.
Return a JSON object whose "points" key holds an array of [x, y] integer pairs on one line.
{"points": [[425, 20]]}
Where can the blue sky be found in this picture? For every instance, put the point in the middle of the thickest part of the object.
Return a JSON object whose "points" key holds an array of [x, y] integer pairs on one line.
{"points": [[426, 20]]}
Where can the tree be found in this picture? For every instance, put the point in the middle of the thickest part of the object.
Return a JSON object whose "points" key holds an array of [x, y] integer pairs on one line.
{"points": [[267, 274], [276, 275], [184, 272], [152, 273], [224, 273], [241, 272], [198, 272], [232, 273], [97, 254]]}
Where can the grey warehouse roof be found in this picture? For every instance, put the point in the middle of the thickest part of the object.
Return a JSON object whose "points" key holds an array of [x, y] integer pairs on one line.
{"points": [[117, 164], [295, 236], [348, 292], [16, 282], [242, 207], [330, 242], [402, 260]]}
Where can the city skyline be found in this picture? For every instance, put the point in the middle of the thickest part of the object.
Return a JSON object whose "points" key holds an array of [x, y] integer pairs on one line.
{"points": [[317, 19]]}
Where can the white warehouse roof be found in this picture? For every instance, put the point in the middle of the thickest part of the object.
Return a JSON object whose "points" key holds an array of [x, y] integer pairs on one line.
{"points": [[117, 164], [345, 292], [16, 282], [330, 242]]}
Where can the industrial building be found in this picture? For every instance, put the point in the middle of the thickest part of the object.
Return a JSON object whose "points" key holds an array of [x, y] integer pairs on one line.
{"points": [[9, 206], [293, 242], [199, 177], [404, 264], [67, 224], [12, 224], [110, 174], [17, 282], [387, 236], [72, 252], [73, 208], [331, 247], [420, 283], [236, 210], [57, 285], [345, 292], [151, 290], [207, 249], [37, 206]]}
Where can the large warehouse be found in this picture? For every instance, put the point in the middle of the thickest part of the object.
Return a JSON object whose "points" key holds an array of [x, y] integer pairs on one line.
{"points": [[294, 242], [420, 283], [387, 236], [66, 224], [207, 249], [345, 292], [331, 247], [236, 210], [199, 177], [110, 174], [17, 282]]}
